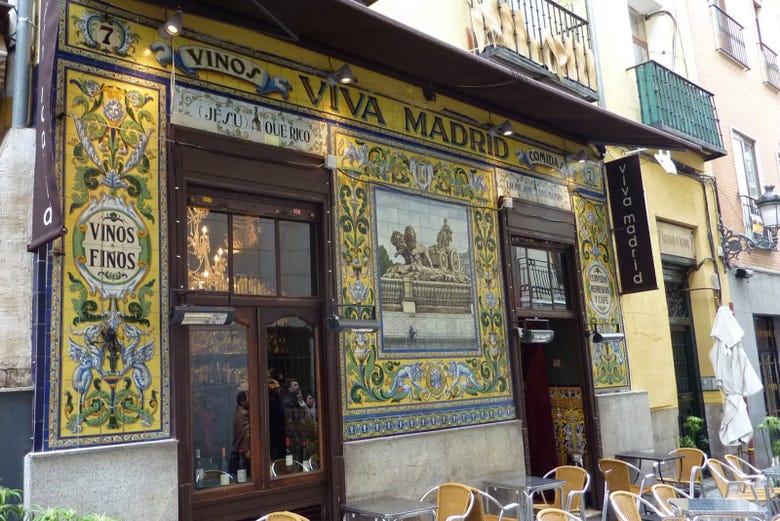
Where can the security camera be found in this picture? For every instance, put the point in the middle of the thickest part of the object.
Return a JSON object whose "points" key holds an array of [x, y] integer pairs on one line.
{"points": [[743, 273]]}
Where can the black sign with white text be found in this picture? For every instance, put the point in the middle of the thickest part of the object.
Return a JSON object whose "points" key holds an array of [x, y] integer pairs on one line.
{"points": [[629, 224], [47, 215]]}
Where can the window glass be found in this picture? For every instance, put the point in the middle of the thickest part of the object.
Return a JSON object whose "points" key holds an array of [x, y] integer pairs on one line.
{"points": [[639, 36], [293, 415], [295, 259], [254, 255], [207, 249], [219, 405], [543, 278]]}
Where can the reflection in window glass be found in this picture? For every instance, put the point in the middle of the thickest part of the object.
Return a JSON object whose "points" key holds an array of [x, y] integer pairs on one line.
{"points": [[207, 255], [295, 259], [293, 415], [254, 255], [218, 401], [543, 278]]}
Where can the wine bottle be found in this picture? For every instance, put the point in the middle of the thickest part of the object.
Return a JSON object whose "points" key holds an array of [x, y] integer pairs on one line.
{"points": [[224, 477], [288, 458], [199, 473], [241, 471], [304, 452]]}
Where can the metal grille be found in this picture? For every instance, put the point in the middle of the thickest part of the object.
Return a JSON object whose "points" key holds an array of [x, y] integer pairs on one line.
{"points": [[672, 103], [730, 38], [680, 361], [676, 301], [771, 66], [767, 357]]}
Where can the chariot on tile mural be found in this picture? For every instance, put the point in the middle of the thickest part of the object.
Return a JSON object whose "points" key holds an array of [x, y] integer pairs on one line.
{"points": [[425, 274], [440, 358]]}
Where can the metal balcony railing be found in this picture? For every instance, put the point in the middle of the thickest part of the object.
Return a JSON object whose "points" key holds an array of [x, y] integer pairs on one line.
{"points": [[673, 104], [771, 66], [730, 39], [539, 36]]}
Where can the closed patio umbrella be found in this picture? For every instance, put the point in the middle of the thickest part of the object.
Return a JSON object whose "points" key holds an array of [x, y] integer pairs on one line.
{"points": [[736, 377]]}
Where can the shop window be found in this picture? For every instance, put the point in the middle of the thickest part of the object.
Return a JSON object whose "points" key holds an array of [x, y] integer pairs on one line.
{"points": [[249, 254], [543, 278], [253, 383]]}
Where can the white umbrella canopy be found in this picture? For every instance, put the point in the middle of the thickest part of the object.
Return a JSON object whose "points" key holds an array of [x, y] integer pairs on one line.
{"points": [[736, 377]]}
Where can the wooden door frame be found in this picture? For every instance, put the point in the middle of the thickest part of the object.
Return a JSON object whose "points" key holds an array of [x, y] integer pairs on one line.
{"points": [[529, 220], [199, 158]]}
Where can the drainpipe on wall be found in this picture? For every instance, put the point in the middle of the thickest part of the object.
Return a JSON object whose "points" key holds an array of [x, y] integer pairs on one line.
{"points": [[594, 45], [20, 114]]}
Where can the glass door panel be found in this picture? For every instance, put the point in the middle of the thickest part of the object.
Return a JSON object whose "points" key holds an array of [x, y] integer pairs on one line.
{"points": [[293, 421], [219, 380]]}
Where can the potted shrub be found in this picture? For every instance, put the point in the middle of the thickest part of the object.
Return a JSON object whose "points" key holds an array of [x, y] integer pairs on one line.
{"points": [[693, 434], [770, 430], [12, 509]]}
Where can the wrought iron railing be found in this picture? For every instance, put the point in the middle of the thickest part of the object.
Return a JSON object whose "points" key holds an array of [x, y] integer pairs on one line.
{"points": [[730, 38], [672, 103], [540, 35], [771, 66]]}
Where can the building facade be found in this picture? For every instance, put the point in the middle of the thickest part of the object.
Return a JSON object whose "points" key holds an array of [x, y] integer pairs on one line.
{"points": [[259, 259], [737, 60]]}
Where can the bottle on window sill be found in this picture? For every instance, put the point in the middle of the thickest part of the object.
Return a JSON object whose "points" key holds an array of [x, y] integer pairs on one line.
{"points": [[241, 471], [199, 473], [304, 452], [288, 457], [224, 476]]}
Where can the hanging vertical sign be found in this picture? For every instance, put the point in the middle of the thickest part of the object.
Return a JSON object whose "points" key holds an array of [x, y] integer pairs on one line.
{"points": [[630, 226], [47, 216]]}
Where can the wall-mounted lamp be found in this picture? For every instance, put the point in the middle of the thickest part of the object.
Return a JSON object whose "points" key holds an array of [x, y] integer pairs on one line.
{"points": [[768, 207], [505, 203], [540, 333], [535, 336], [664, 158], [338, 322], [504, 129], [598, 336], [202, 316], [172, 27], [428, 93], [343, 75], [581, 156]]}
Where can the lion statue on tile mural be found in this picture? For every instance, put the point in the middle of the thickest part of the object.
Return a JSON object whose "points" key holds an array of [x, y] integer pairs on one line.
{"points": [[439, 262]]}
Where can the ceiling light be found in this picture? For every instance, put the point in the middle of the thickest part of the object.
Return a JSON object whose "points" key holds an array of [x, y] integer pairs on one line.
{"points": [[172, 27], [343, 75]]}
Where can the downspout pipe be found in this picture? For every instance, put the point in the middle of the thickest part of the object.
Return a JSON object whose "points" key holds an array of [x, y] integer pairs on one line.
{"points": [[20, 109]]}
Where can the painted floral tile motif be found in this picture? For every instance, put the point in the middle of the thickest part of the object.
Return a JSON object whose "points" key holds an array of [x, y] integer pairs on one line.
{"points": [[610, 363], [109, 364], [415, 232]]}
